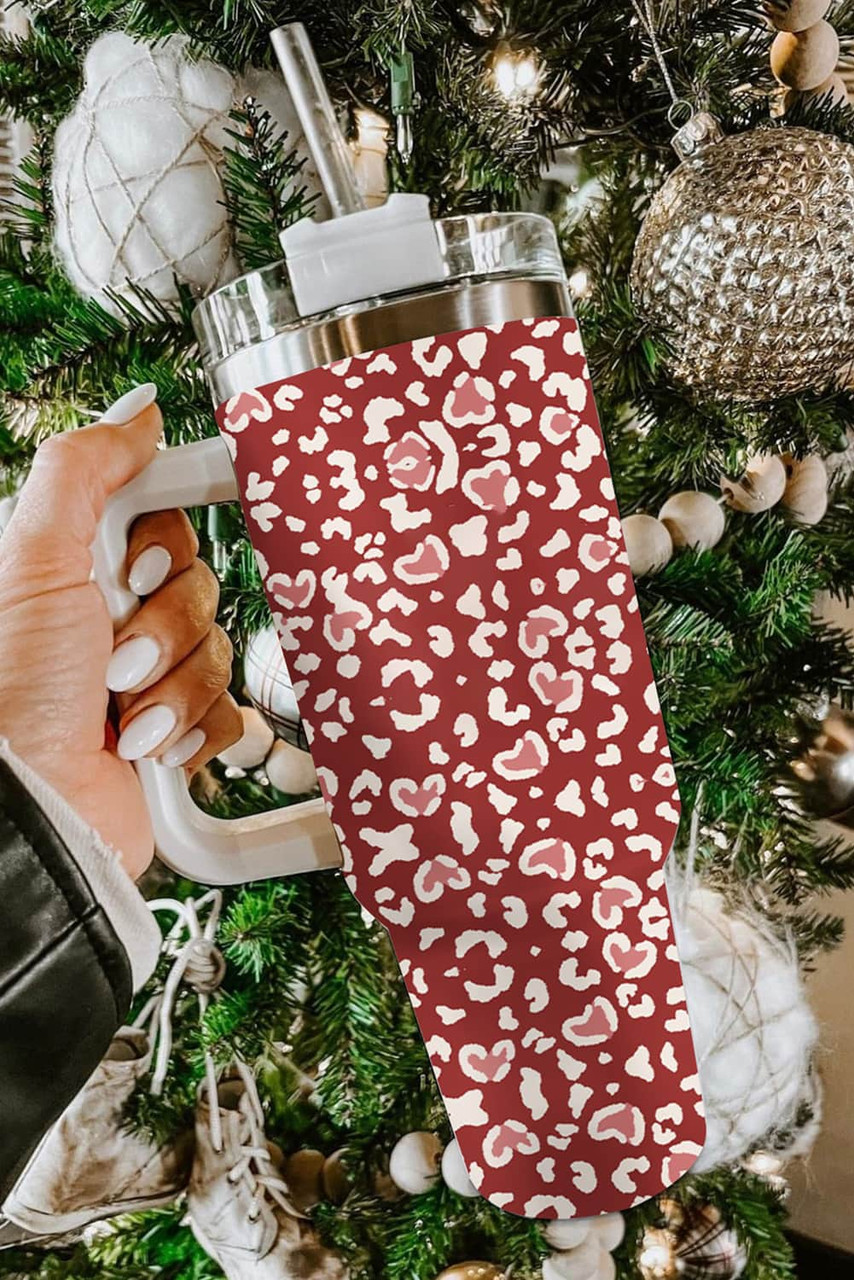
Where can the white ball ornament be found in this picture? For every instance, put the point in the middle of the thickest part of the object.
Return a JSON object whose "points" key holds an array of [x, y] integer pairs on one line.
{"points": [[414, 1162], [253, 746], [455, 1172], [268, 683], [290, 769], [648, 544], [136, 187], [137, 183], [753, 1030]]}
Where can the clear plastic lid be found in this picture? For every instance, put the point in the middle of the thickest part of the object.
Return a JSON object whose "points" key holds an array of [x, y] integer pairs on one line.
{"points": [[261, 304]]}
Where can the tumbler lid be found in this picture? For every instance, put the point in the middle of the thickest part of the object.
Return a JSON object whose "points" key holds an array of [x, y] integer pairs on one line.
{"points": [[383, 250]]}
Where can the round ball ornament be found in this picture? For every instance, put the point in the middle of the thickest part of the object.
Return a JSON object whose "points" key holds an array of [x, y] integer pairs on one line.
{"points": [[414, 1162], [471, 1271], [753, 1030], [268, 684], [743, 261]]}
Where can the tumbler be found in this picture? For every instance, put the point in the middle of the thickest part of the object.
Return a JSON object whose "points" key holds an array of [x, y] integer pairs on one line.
{"points": [[406, 415]]}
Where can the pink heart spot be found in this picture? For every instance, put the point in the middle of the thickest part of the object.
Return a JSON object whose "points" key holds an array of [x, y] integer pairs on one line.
{"points": [[553, 855], [533, 628], [554, 692], [600, 550], [489, 1064], [436, 873], [621, 1122], [491, 490], [525, 758], [420, 798], [676, 1164], [616, 896], [468, 400], [594, 1025], [341, 622], [293, 596], [626, 958], [427, 562], [561, 423], [507, 1139]]}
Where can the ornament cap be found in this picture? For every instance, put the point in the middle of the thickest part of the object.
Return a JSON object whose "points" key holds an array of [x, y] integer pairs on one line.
{"points": [[701, 130]]}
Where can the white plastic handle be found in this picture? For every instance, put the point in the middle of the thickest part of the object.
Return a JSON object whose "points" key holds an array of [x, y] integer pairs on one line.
{"points": [[211, 850]]}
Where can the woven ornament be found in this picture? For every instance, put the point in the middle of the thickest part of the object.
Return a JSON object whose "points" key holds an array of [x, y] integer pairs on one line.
{"points": [[744, 263], [137, 182], [753, 1030]]}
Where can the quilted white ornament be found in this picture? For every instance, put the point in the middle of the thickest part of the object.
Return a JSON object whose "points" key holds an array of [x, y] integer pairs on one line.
{"points": [[753, 1030], [136, 177]]}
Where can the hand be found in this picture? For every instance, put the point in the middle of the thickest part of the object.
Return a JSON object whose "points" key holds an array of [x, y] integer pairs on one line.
{"points": [[169, 666]]}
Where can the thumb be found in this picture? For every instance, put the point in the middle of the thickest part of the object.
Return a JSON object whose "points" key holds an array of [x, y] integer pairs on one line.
{"points": [[72, 476]]}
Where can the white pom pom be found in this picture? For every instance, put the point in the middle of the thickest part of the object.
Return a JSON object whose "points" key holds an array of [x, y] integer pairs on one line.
{"points": [[566, 1233], [253, 746], [753, 1030], [291, 770], [455, 1172], [609, 1230], [581, 1263], [414, 1162]]}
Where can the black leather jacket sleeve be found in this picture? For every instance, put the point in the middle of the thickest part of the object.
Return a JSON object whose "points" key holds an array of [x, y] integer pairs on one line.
{"points": [[65, 978]]}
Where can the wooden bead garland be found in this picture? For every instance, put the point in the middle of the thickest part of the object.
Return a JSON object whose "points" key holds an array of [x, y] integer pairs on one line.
{"points": [[760, 487], [693, 519], [805, 51], [696, 520], [804, 59]]}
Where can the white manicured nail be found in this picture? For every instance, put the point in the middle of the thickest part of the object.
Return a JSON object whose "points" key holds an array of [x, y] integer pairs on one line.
{"points": [[184, 749], [130, 404], [131, 663], [148, 570], [146, 732]]}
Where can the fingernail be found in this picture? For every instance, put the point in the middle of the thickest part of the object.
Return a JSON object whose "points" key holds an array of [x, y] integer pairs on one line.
{"points": [[130, 404], [148, 570], [131, 663], [146, 731], [184, 749]]}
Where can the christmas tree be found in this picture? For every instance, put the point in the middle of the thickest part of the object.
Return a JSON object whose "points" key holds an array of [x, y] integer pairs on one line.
{"points": [[718, 367]]}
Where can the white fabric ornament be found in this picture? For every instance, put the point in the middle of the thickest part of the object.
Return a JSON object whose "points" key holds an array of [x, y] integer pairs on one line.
{"points": [[753, 1030], [136, 176]]}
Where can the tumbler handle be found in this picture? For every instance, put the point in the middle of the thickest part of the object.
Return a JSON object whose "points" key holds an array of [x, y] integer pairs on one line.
{"points": [[195, 844]]}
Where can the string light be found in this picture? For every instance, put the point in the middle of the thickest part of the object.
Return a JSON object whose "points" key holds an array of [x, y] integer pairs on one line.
{"points": [[516, 73], [657, 1257]]}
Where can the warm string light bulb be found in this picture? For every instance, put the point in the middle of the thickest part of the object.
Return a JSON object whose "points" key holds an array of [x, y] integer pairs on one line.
{"points": [[516, 73]]}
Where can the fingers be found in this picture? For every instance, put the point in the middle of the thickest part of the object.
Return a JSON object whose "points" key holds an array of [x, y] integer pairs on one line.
{"points": [[160, 546], [156, 720], [219, 727], [72, 475], [168, 626]]}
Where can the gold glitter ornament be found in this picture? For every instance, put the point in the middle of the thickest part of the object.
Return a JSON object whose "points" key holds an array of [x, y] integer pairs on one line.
{"points": [[744, 262]]}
